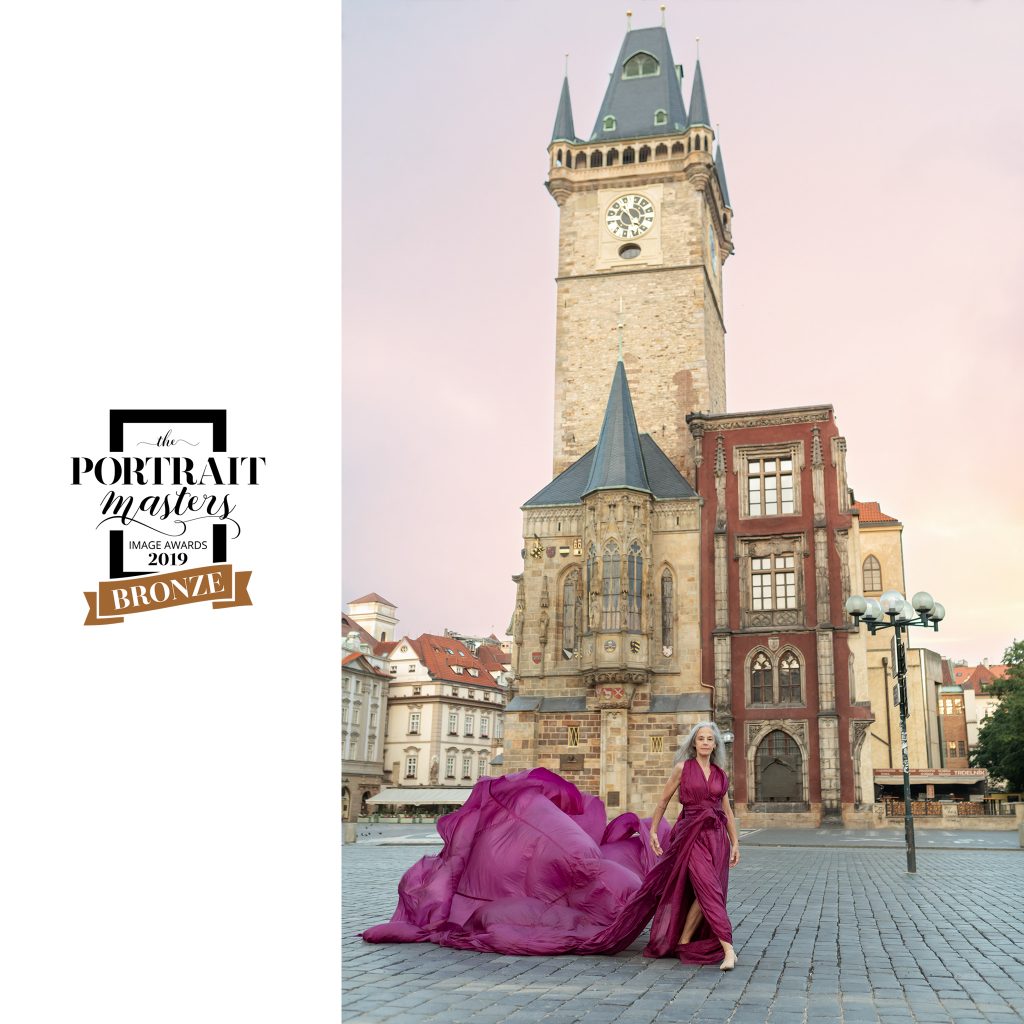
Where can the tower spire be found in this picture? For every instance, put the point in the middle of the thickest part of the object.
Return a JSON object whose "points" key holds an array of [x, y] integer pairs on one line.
{"points": [[564, 130], [618, 459], [698, 101]]}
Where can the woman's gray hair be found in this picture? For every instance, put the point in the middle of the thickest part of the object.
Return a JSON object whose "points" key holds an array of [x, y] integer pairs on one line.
{"points": [[689, 748]]}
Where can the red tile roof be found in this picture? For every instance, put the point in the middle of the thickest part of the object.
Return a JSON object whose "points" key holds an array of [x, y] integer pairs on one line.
{"points": [[870, 513], [441, 653], [493, 658], [374, 599], [355, 655]]}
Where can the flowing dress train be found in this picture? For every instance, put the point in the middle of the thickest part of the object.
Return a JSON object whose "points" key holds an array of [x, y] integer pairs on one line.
{"points": [[530, 867]]}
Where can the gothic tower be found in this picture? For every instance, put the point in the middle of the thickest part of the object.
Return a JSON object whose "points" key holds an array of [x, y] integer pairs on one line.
{"points": [[645, 221]]}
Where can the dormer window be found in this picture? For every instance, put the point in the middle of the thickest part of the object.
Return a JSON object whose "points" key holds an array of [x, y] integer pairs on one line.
{"points": [[474, 671], [457, 669], [660, 117], [609, 123], [640, 65]]}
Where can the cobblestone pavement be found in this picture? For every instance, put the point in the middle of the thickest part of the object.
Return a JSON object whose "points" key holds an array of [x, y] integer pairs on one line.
{"points": [[822, 935]]}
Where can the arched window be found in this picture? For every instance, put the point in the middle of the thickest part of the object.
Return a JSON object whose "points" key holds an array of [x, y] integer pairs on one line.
{"points": [[789, 678], [778, 770], [635, 576], [581, 159], [667, 612], [591, 579], [872, 573], [572, 608], [660, 117], [613, 157], [629, 155], [596, 158], [611, 572], [662, 150], [609, 124], [645, 154], [640, 65], [761, 691], [558, 159], [678, 149]]}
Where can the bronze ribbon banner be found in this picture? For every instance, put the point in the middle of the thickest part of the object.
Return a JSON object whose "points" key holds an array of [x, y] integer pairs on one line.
{"points": [[113, 599]]}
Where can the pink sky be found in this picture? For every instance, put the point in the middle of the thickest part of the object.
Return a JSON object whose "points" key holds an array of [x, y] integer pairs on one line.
{"points": [[874, 155]]}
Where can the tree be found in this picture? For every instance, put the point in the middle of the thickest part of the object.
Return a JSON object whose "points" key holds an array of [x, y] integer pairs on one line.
{"points": [[1000, 746]]}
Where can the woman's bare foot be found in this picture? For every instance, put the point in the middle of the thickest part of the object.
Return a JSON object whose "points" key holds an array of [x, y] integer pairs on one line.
{"points": [[730, 958]]}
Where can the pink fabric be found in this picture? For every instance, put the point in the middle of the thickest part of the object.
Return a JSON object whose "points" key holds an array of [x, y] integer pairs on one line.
{"points": [[529, 867]]}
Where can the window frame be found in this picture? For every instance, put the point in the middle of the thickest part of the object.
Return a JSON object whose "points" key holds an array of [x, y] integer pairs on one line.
{"points": [[744, 455]]}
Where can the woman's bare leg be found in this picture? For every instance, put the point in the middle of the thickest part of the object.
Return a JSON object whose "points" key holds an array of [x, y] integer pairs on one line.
{"points": [[693, 919], [730, 957]]}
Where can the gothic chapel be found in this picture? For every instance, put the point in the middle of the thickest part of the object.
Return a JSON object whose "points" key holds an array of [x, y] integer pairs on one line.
{"points": [[684, 563]]}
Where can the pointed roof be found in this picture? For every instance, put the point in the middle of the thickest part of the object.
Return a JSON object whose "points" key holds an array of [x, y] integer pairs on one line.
{"points": [[623, 457], [720, 171], [564, 130], [698, 102], [617, 460], [373, 598], [634, 101]]}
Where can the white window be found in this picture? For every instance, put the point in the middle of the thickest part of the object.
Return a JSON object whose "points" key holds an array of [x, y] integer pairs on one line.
{"points": [[416, 691], [773, 583], [455, 691], [467, 761], [469, 724], [414, 722], [410, 766], [412, 668], [457, 669], [394, 670], [453, 723], [474, 671], [498, 726], [471, 694], [770, 485], [449, 766], [483, 766], [355, 716], [373, 719], [485, 726]]}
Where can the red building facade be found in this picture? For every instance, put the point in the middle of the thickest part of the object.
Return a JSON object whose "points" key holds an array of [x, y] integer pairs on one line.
{"points": [[775, 574]]}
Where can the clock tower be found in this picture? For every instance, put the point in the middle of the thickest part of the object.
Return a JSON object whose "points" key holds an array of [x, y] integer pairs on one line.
{"points": [[644, 227]]}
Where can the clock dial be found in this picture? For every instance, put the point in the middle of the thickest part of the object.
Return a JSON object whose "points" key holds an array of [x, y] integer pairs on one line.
{"points": [[630, 216]]}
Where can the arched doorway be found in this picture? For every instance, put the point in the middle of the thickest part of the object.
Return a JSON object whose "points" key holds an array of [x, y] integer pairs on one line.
{"points": [[778, 770]]}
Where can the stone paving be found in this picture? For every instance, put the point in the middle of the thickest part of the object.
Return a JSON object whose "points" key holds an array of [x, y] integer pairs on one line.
{"points": [[822, 934]]}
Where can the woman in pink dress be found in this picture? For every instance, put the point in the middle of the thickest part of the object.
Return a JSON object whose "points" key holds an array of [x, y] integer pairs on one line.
{"points": [[530, 867]]}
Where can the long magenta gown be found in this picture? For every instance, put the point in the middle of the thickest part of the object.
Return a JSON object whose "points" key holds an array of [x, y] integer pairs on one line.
{"points": [[530, 867]]}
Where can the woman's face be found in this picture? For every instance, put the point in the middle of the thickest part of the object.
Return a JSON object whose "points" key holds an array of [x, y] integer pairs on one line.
{"points": [[704, 742]]}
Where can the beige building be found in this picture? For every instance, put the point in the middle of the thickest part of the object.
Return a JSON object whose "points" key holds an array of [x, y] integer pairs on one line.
{"points": [[364, 701], [444, 714]]}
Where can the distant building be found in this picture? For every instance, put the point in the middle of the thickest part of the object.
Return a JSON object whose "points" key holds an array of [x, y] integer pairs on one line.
{"points": [[444, 714], [364, 701], [376, 614]]}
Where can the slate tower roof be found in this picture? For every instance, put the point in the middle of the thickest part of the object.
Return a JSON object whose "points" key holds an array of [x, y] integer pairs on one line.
{"points": [[720, 171], [622, 458], [698, 102], [564, 130], [633, 99]]}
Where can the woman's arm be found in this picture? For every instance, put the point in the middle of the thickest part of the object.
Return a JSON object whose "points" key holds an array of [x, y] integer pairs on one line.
{"points": [[671, 788], [734, 837]]}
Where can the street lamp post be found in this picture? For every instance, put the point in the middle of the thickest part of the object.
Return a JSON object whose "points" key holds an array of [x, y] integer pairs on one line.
{"points": [[922, 610]]}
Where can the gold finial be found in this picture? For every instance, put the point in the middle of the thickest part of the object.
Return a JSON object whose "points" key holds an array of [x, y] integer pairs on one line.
{"points": [[698, 47], [567, 65], [629, 22], [662, 15]]}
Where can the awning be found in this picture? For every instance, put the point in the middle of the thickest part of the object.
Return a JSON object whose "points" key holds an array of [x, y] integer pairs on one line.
{"points": [[421, 796], [937, 778]]}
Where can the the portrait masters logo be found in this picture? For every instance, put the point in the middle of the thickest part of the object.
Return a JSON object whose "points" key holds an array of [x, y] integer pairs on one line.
{"points": [[168, 496]]}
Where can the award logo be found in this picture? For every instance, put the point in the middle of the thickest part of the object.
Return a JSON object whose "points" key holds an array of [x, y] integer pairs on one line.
{"points": [[168, 498]]}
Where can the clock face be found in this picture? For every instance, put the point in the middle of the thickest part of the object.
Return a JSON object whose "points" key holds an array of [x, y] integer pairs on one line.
{"points": [[630, 216]]}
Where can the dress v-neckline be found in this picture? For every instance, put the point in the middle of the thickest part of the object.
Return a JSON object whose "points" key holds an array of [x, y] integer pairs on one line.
{"points": [[707, 778]]}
